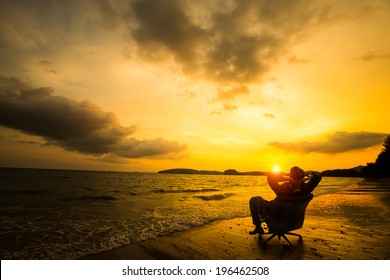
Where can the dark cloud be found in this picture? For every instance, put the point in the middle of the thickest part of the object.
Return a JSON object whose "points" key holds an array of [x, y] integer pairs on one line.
{"points": [[165, 24], [337, 142], [134, 148], [231, 43], [371, 56], [73, 125]]}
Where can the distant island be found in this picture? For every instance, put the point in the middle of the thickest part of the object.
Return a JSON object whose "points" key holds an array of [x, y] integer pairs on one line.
{"points": [[190, 171], [352, 172], [210, 172]]}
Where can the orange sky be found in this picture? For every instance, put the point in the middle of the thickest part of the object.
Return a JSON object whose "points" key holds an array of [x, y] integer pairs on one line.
{"points": [[150, 85]]}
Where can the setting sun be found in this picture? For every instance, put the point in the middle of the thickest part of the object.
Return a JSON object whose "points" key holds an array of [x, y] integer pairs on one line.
{"points": [[276, 169]]}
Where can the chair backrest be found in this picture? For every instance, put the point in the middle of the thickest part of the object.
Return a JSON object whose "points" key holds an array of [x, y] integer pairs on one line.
{"points": [[286, 214]]}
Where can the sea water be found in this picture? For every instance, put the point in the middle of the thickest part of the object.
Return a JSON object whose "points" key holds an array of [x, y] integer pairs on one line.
{"points": [[62, 214]]}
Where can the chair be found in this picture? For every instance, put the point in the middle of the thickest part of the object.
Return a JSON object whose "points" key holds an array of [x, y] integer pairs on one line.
{"points": [[286, 215]]}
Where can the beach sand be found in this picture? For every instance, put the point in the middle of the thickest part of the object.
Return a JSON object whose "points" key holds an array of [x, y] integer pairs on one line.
{"points": [[353, 224]]}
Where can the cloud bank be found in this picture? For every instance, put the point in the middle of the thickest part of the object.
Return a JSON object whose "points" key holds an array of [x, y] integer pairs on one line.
{"points": [[230, 43], [73, 125], [337, 142]]}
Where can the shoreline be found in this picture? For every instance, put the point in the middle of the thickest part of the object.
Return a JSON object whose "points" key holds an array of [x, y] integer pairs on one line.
{"points": [[352, 224]]}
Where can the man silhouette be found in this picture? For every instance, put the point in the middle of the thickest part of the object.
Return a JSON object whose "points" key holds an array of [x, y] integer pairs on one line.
{"points": [[298, 183]]}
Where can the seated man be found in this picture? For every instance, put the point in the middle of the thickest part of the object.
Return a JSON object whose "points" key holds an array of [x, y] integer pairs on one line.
{"points": [[299, 183]]}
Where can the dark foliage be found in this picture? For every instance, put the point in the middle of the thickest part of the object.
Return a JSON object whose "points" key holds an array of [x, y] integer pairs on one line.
{"points": [[381, 167]]}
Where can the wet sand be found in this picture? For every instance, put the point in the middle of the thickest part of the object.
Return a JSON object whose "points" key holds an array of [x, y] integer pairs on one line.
{"points": [[353, 224]]}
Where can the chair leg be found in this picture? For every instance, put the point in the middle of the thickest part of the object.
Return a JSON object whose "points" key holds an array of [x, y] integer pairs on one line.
{"points": [[295, 234], [285, 238], [263, 244]]}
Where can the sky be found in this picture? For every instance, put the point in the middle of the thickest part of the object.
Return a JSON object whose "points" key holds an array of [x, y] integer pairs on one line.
{"points": [[147, 85]]}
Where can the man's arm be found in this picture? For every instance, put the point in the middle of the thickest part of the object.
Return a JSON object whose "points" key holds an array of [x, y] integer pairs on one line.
{"points": [[274, 179], [314, 179]]}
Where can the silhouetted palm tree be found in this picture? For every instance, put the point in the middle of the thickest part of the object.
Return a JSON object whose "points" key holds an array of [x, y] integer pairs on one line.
{"points": [[383, 160], [381, 167]]}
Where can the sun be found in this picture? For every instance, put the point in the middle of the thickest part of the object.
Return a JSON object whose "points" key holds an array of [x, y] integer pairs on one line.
{"points": [[276, 169]]}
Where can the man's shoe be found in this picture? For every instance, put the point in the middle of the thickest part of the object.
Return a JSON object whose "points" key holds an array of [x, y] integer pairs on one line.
{"points": [[257, 230]]}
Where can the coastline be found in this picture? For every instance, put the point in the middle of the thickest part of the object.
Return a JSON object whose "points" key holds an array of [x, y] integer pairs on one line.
{"points": [[353, 224]]}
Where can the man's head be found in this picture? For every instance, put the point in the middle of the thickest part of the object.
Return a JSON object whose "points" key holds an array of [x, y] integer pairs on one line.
{"points": [[297, 176], [297, 173]]}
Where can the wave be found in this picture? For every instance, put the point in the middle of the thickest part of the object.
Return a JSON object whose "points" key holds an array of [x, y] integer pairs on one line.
{"points": [[144, 192], [73, 238], [185, 190], [89, 198], [214, 197]]}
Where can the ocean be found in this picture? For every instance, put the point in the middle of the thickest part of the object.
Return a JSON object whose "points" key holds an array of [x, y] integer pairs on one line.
{"points": [[63, 214]]}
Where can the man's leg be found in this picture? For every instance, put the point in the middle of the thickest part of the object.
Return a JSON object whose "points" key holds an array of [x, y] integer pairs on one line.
{"points": [[259, 212]]}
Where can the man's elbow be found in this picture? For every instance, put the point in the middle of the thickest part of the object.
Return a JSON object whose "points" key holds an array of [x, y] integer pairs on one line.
{"points": [[317, 177], [270, 179]]}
